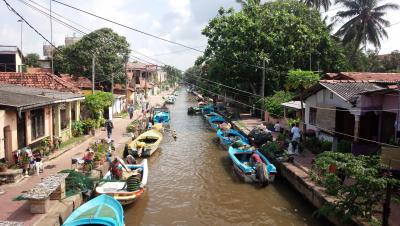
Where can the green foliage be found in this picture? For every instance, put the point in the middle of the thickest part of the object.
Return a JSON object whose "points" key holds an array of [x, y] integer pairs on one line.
{"points": [[32, 59], [300, 80], [88, 125], [273, 103], [293, 121], [271, 148], [110, 50], [97, 102], [78, 128], [174, 75], [366, 190], [326, 145], [132, 127], [281, 33], [76, 182]]}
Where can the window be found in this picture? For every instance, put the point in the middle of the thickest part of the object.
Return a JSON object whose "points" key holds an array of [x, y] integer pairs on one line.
{"points": [[37, 123], [313, 116], [331, 95], [63, 116]]}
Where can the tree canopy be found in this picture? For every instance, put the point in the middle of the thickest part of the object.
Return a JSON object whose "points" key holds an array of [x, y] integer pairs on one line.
{"points": [[282, 33], [109, 49], [32, 60]]}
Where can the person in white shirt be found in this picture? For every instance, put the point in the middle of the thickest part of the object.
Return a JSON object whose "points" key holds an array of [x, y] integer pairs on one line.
{"points": [[295, 131], [277, 127]]}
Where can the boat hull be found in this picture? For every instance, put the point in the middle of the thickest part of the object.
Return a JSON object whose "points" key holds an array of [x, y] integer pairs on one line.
{"points": [[247, 172], [146, 149], [226, 141], [116, 189]]}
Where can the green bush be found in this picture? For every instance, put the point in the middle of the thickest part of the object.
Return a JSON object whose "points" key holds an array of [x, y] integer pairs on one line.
{"points": [[326, 145], [332, 184], [88, 125], [271, 148], [273, 103], [313, 144], [100, 122], [344, 146], [78, 128]]}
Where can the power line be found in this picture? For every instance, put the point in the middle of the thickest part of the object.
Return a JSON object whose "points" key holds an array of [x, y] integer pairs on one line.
{"points": [[22, 18], [152, 35], [321, 128]]}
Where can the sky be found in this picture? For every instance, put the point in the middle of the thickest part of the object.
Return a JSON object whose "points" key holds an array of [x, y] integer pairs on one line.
{"points": [[176, 20]]}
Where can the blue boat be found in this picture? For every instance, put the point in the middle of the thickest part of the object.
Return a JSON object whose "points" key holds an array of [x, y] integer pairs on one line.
{"points": [[161, 115], [252, 173], [102, 210], [207, 109], [227, 138], [211, 114], [215, 121]]}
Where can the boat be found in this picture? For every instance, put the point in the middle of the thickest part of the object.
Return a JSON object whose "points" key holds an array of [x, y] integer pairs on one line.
{"points": [[262, 174], [146, 143], [102, 210], [215, 121], [211, 114], [161, 115], [227, 138], [194, 110], [118, 189], [207, 109], [170, 99]]}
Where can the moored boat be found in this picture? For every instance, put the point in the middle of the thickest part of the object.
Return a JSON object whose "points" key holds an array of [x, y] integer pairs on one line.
{"points": [[146, 143], [228, 137], [102, 210], [253, 173], [120, 190], [161, 115], [194, 110], [207, 109], [211, 114], [215, 121]]}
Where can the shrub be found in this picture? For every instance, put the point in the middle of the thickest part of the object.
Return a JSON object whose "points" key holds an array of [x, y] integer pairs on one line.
{"points": [[273, 103], [313, 144], [271, 148], [88, 125], [78, 128], [326, 145], [100, 122]]}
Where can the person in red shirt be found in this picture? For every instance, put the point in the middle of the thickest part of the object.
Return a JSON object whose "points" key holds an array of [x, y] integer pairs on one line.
{"points": [[255, 158]]}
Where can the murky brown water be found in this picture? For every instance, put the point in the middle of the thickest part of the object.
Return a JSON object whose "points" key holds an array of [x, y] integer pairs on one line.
{"points": [[191, 182]]}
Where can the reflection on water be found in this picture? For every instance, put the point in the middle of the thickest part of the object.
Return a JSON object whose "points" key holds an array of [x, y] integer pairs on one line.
{"points": [[191, 182]]}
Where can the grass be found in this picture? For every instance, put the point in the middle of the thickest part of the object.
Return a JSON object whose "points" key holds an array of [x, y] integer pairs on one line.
{"points": [[71, 141], [123, 114]]}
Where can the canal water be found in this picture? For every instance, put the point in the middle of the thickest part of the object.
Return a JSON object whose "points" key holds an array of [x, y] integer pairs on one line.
{"points": [[191, 182]]}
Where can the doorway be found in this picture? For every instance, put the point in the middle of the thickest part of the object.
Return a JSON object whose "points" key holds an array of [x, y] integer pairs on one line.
{"points": [[21, 131], [7, 142]]}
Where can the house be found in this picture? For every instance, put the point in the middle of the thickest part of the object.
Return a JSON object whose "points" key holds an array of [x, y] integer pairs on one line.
{"points": [[356, 106], [28, 115], [11, 59], [80, 82]]}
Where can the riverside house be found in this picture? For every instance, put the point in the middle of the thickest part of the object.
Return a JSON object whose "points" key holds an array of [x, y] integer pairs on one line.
{"points": [[359, 107], [28, 115]]}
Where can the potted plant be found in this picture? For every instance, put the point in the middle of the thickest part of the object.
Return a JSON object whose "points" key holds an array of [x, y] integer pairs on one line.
{"points": [[3, 167]]}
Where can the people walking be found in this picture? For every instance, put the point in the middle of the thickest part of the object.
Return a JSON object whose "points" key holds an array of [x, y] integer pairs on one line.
{"points": [[109, 126], [295, 132], [277, 127]]}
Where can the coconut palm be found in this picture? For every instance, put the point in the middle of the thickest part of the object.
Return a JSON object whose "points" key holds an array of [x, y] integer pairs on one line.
{"points": [[245, 3], [317, 4], [365, 22]]}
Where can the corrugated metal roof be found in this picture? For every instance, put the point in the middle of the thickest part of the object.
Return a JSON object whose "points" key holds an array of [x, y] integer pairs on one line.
{"points": [[350, 91], [24, 97], [293, 104]]}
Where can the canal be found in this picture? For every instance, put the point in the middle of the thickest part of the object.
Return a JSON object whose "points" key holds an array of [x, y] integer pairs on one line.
{"points": [[191, 182]]}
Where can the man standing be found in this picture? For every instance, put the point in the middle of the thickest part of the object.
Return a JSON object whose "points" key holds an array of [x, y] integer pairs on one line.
{"points": [[109, 126], [277, 127], [295, 137], [130, 111]]}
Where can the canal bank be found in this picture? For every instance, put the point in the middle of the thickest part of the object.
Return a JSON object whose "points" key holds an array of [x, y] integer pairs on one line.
{"points": [[192, 182]]}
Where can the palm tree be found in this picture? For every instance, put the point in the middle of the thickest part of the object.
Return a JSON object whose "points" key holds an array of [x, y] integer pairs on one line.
{"points": [[317, 4], [365, 22]]}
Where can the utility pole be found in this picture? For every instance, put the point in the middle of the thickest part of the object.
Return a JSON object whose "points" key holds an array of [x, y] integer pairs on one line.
{"points": [[145, 83], [51, 40], [126, 85], [112, 83], [262, 88], [93, 73]]}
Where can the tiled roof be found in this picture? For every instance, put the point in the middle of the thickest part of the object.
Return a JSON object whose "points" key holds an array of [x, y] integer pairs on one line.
{"points": [[366, 76], [27, 97], [37, 80], [350, 91], [79, 82]]}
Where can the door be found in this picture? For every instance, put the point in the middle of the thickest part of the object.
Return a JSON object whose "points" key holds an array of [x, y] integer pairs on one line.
{"points": [[21, 131], [7, 142]]}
